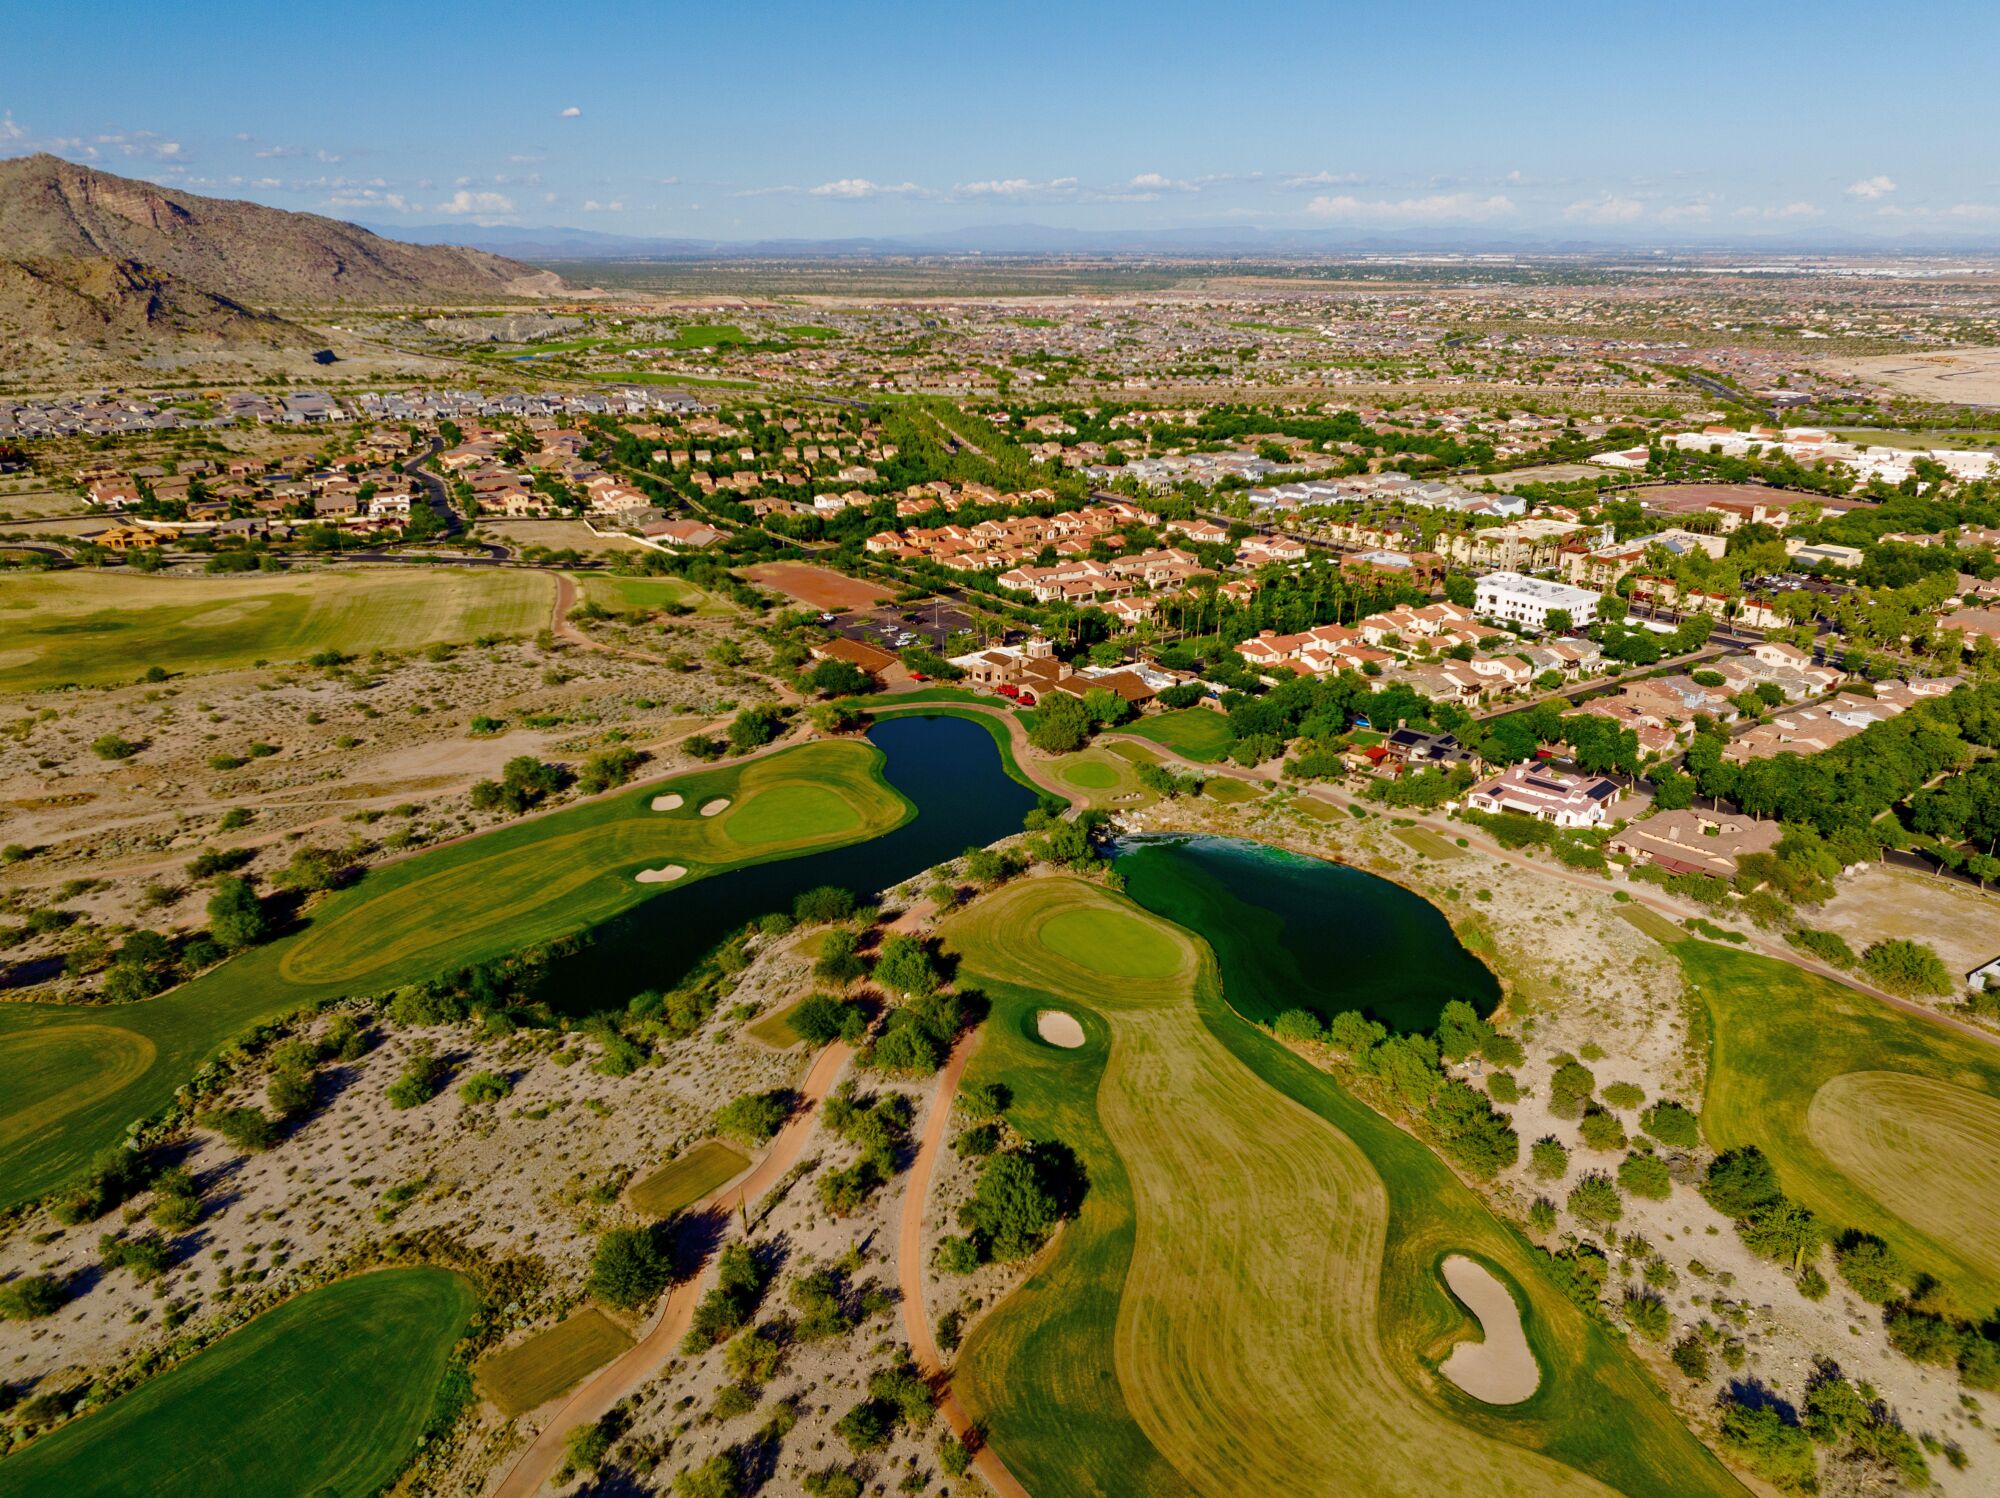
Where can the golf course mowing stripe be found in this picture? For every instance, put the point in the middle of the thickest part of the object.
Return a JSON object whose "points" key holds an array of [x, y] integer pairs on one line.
{"points": [[527, 882], [1778, 1035], [1927, 1150], [326, 1394], [1281, 1313], [1194, 733]]}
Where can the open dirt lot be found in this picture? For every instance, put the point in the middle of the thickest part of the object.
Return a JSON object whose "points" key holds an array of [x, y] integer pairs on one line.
{"points": [[1968, 376], [1883, 902], [819, 586]]}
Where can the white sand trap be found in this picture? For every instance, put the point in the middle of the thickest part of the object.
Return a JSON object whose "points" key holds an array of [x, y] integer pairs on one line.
{"points": [[1058, 1028], [669, 802], [666, 875], [716, 807], [1501, 1369]]}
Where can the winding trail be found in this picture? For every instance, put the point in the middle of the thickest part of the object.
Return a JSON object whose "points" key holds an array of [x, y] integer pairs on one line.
{"points": [[910, 1274], [532, 1469]]}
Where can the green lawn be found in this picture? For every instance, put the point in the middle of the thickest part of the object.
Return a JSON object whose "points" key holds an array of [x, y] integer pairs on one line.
{"points": [[1876, 1118], [327, 1394], [685, 1180], [1195, 733], [531, 1373], [1231, 791], [91, 628], [1423, 840], [1252, 1289], [775, 1029], [624, 594], [72, 1078]]}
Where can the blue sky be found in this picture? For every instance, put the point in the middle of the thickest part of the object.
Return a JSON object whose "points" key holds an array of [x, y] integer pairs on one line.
{"points": [[756, 119]]}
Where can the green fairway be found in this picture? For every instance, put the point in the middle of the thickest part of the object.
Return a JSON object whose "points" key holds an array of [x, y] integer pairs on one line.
{"points": [[327, 1394], [1196, 733], [1875, 1118], [1251, 1292], [531, 1373], [624, 594], [1112, 943], [682, 1182], [96, 627], [71, 1078]]}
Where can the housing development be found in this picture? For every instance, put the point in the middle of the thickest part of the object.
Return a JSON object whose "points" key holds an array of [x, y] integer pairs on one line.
{"points": [[1358, 858]]}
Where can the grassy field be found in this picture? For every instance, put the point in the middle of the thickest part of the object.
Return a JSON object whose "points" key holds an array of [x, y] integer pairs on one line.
{"points": [[1191, 732], [683, 1181], [775, 1029], [627, 593], [71, 1078], [325, 1395], [1251, 1296], [1101, 778], [1876, 1118], [1232, 792], [96, 627], [1423, 840], [520, 1378]]}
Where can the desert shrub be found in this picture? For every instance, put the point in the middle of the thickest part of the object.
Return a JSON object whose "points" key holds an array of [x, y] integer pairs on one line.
{"points": [[1645, 1175], [756, 1116], [1672, 1124], [630, 1266]]}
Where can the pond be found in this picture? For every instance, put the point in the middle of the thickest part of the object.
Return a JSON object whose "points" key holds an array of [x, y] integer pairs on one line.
{"points": [[1294, 932], [949, 768]]}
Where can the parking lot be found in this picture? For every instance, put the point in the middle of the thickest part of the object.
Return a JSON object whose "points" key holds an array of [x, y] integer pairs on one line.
{"points": [[928, 624]]}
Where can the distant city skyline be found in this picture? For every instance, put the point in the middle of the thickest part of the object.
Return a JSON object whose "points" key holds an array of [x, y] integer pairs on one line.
{"points": [[1595, 123]]}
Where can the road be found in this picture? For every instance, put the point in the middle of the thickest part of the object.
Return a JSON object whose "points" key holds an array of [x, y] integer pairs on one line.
{"points": [[708, 1225]]}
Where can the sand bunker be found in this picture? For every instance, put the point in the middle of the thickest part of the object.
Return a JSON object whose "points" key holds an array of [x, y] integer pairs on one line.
{"points": [[1501, 1369], [666, 875], [716, 807], [1059, 1029], [669, 802]]}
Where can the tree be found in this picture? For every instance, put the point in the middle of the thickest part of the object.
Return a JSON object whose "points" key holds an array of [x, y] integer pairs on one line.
{"points": [[1906, 967], [1601, 1129], [1062, 724], [1740, 1181], [754, 727], [822, 1018], [1760, 1438], [1672, 1124], [837, 678], [839, 961], [755, 1117], [1017, 1202], [236, 916], [824, 904], [1645, 1175], [30, 1297], [1595, 1199], [1548, 1159], [630, 1266], [247, 1128], [1870, 1267], [1784, 1230], [904, 967]]}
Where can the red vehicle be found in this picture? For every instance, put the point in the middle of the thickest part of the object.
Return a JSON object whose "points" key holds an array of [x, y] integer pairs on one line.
{"points": [[916, 676], [1008, 689], [1026, 699]]}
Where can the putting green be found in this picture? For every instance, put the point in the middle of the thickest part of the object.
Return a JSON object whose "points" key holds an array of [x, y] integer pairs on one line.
{"points": [[326, 1394], [93, 627], [71, 1080], [1250, 1297], [1928, 1150], [1114, 943], [1089, 774], [1784, 1044]]}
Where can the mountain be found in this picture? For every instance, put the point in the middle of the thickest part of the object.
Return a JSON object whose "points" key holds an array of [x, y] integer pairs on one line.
{"points": [[55, 210]]}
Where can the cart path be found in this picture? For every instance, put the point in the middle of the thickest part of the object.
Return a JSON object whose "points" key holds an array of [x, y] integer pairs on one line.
{"points": [[532, 1469], [910, 1273]]}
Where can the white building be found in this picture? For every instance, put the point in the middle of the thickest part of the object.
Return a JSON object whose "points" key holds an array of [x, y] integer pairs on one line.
{"points": [[1542, 793], [1520, 599]]}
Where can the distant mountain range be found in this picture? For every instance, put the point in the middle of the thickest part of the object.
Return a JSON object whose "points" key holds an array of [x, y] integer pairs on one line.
{"points": [[555, 243], [96, 268]]}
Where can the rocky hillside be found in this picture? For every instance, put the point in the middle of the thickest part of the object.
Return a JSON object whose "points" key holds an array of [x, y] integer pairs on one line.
{"points": [[55, 210]]}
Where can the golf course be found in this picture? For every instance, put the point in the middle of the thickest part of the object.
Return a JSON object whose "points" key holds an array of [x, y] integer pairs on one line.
{"points": [[91, 628], [1251, 1299], [327, 1394], [72, 1077], [1876, 1118]]}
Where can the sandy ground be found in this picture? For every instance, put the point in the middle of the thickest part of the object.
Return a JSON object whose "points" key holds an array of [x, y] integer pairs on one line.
{"points": [[1881, 902], [556, 535], [669, 802], [1968, 376], [1500, 1369], [716, 807], [819, 586], [1059, 1029], [666, 875]]}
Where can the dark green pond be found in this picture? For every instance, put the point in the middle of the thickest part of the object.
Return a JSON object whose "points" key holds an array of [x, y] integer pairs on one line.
{"points": [[949, 768], [1292, 932]]}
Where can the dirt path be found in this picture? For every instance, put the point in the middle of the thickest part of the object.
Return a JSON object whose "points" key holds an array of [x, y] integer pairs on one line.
{"points": [[532, 1469], [910, 1273]]}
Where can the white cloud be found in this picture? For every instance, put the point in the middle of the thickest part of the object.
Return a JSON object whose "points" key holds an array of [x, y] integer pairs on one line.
{"points": [[463, 201], [1016, 187], [1783, 211], [1437, 207], [591, 205], [368, 197], [1871, 188], [570, 113], [1972, 211], [9, 131], [1158, 182], [1322, 179], [1696, 211], [280, 153], [1605, 208], [861, 187]]}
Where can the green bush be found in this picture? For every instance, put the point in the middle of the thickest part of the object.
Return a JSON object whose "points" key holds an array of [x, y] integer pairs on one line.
{"points": [[630, 1266]]}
